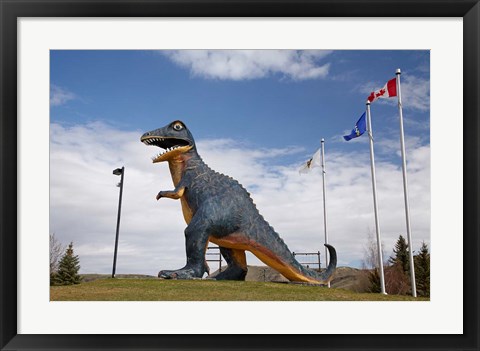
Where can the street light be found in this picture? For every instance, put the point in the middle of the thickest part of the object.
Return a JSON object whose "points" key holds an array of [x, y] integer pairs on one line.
{"points": [[118, 172]]}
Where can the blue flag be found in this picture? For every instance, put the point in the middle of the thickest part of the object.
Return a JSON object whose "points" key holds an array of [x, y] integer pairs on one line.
{"points": [[360, 128]]}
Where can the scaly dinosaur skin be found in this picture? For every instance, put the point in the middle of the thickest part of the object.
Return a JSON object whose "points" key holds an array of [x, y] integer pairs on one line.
{"points": [[218, 209]]}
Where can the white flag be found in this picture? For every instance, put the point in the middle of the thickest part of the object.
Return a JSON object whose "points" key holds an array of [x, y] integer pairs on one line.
{"points": [[313, 162]]}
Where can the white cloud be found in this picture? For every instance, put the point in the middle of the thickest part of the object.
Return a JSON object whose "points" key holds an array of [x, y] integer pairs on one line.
{"points": [[60, 96], [415, 92], [251, 64], [84, 198]]}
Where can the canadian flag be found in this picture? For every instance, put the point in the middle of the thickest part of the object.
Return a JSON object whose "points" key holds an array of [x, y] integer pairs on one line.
{"points": [[389, 90]]}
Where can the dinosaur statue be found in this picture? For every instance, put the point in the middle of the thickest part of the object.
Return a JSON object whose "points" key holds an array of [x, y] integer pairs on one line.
{"points": [[218, 209]]}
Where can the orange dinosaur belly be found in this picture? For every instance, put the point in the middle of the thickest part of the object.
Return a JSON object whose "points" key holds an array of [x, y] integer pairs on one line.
{"points": [[187, 212]]}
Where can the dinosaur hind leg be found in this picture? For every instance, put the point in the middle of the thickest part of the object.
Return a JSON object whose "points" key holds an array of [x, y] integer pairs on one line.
{"points": [[237, 265], [196, 241]]}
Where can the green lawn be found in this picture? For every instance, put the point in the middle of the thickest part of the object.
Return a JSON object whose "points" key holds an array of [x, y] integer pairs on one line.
{"points": [[120, 289]]}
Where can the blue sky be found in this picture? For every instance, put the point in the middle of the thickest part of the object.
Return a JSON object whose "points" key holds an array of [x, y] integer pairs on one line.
{"points": [[145, 89], [266, 110]]}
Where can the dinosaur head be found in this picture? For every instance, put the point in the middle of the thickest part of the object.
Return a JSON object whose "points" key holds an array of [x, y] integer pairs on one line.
{"points": [[175, 138]]}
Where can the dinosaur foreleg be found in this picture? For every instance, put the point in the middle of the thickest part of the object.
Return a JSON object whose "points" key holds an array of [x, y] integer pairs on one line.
{"points": [[171, 194], [196, 240], [237, 265]]}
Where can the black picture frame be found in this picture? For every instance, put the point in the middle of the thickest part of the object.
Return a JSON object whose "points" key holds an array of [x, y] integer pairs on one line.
{"points": [[10, 10]]}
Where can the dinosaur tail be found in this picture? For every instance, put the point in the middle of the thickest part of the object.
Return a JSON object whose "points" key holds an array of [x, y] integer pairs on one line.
{"points": [[277, 255], [321, 277], [327, 275]]}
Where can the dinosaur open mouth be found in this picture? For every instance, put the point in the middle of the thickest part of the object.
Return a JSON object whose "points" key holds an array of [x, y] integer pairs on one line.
{"points": [[172, 146]]}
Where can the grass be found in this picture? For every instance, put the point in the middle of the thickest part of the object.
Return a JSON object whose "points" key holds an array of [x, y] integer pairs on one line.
{"points": [[120, 289]]}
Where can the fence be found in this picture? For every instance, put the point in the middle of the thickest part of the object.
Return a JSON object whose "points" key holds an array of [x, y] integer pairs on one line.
{"points": [[306, 254], [217, 254], [214, 252]]}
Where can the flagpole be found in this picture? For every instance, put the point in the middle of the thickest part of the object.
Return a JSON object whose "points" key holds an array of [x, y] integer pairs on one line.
{"points": [[405, 186], [324, 203], [375, 206]]}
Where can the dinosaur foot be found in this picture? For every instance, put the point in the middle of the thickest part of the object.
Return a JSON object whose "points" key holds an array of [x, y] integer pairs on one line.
{"points": [[184, 273], [231, 273]]}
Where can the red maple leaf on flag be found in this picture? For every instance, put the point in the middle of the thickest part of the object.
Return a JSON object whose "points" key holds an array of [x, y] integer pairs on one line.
{"points": [[381, 92]]}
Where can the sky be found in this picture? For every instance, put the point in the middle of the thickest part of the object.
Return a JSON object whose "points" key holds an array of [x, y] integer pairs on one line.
{"points": [[257, 116]]}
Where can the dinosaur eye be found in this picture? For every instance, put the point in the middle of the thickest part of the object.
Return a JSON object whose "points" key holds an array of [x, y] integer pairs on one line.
{"points": [[177, 126]]}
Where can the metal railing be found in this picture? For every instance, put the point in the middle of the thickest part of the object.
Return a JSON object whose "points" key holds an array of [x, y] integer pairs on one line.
{"points": [[217, 254], [307, 264]]}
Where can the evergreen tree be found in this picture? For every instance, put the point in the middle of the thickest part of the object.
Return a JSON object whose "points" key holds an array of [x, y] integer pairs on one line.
{"points": [[374, 281], [68, 268], [422, 271], [401, 255]]}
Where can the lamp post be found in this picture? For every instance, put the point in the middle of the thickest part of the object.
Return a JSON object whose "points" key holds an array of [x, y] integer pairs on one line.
{"points": [[120, 172]]}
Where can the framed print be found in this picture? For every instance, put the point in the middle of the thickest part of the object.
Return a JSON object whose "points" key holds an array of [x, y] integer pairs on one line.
{"points": [[62, 60]]}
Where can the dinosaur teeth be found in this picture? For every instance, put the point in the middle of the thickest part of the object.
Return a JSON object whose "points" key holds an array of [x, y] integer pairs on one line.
{"points": [[151, 141], [167, 150]]}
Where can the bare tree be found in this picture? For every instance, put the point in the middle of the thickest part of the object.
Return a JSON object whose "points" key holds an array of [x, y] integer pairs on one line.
{"points": [[56, 252], [370, 252], [396, 281], [370, 262]]}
